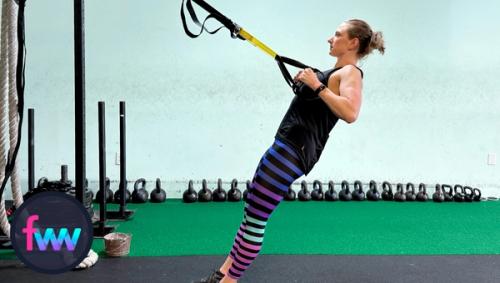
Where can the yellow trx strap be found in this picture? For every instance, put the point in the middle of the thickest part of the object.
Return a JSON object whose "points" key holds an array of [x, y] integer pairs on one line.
{"points": [[257, 43]]}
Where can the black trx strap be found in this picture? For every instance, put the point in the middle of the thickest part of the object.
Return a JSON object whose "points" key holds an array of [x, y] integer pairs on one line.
{"points": [[238, 32]]}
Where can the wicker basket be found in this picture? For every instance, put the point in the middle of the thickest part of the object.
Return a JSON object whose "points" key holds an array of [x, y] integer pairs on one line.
{"points": [[117, 244]]}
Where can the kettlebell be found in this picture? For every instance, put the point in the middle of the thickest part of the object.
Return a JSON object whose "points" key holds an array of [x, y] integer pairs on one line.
{"points": [[140, 195], [290, 195], [422, 193], [109, 192], [247, 190], [158, 195], [234, 194], [331, 194], [438, 195], [468, 197], [345, 193], [477, 194], [317, 193], [190, 195], [448, 195], [372, 194], [410, 192], [219, 194], [118, 193], [205, 194], [399, 196], [387, 194], [304, 194], [459, 196], [358, 194]]}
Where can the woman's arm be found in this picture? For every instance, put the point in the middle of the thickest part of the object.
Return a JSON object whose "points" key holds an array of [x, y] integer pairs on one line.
{"points": [[347, 103]]}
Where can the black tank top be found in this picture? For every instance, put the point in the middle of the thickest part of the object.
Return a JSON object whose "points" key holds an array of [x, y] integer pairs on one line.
{"points": [[307, 125]]}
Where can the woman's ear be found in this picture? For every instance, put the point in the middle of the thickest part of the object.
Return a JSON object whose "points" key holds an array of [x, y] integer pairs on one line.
{"points": [[354, 44]]}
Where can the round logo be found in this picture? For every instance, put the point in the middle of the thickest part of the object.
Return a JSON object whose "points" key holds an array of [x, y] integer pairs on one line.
{"points": [[51, 232]]}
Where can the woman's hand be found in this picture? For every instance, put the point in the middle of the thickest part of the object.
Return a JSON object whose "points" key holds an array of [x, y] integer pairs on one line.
{"points": [[308, 76]]}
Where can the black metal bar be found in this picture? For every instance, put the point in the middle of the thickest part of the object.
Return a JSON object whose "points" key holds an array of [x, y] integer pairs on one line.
{"points": [[31, 149], [102, 163], [80, 162], [123, 159]]}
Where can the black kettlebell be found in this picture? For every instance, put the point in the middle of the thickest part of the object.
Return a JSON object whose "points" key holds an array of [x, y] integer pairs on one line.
{"points": [[399, 196], [247, 190], [422, 193], [190, 195], [108, 194], [459, 196], [158, 195], [468, 197], [372, 194], [234, 194], [205, 194], [140, 195], [290, 194], [448, 195], [219, 194], [477, 194], [345, 193], [317, 193], [387, 193], [410, 192], [331, 194], [304, 194], [358, 194], [438, 195], [118, 193]]}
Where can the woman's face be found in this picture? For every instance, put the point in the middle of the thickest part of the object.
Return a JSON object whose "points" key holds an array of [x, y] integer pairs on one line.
{"points": [[340, 42]]}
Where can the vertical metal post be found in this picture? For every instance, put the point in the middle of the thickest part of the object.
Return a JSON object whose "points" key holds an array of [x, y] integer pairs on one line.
{"points": [[123, 158], [80, 162], [31, 149]]}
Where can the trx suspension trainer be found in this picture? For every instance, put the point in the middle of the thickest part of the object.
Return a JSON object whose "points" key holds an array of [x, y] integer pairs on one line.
{"points": [[236, 31]]}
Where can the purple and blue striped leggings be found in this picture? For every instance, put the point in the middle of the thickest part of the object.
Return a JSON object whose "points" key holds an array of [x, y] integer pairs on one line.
{"points": [[277, 170]]}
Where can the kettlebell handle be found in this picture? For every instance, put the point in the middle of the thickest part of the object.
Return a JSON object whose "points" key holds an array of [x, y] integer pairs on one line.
{"points": [[141, 182]]}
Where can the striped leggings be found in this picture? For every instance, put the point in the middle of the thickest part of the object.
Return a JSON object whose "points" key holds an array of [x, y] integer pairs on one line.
{"points": [[277, 170]]}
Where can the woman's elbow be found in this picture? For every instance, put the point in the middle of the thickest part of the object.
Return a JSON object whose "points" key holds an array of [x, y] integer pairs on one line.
{"points": [[350, 118]]}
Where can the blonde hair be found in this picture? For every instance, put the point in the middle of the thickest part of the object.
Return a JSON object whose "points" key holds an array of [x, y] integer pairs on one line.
{"points": [[368, 40]]}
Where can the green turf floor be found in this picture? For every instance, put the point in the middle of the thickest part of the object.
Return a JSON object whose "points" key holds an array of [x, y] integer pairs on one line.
{"points": [[340, 228]]}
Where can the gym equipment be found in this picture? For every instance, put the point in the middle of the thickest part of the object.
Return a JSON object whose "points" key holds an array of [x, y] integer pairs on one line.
{"points": [[422, 193], [458, 197], [448, 195], [219, 194], [205, 194], [158, 195], [290, 194], [373, 193], [317, 192], [477, 195], [358, 194], [140, 195], [331, 194], [410, 192], [122, 195], [190, 195], [102, 229], [438, 195], [345, 193], [399, 196], [304, 194], [387, 194], [236, 31], [468, 197], [234, 194], [109, 192], [118, 193], [249, 187]]}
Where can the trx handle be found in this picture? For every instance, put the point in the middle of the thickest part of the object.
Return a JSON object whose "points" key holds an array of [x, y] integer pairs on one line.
{"points": [[239, 32]]}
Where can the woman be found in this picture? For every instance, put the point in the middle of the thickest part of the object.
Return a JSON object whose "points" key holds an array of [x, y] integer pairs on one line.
{"points": [[301, 138]]}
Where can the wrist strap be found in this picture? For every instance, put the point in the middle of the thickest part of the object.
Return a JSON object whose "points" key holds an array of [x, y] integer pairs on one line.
{"points": [[319, 89]]}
